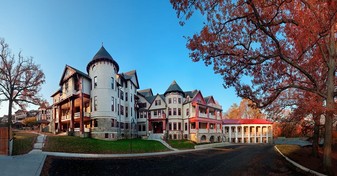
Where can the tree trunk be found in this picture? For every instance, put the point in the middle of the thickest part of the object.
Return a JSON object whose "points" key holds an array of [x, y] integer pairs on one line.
{"points": [[315, 137], [10, 104], [330, 84]]}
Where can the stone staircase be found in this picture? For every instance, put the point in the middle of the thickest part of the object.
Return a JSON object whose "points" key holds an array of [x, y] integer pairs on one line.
{"points": [[159, 138]]}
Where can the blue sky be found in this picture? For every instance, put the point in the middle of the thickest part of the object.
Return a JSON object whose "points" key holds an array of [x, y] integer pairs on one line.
{"points": [[139, 34]]}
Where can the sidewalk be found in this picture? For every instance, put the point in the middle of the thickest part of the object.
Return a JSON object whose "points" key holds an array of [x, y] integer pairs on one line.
{"points": [[29, 164]]}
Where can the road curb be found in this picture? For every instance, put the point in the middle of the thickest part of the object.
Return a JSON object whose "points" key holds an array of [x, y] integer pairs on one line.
{"points": [[298, 165]]}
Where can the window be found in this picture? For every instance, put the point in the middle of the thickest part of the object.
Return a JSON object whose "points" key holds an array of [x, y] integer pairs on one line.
{"points": [[106, 135], [179, 126], [122, 109], [157, 102], [170, 126], [174, 100], [170, 100], [95, 123], [126, 111], [126, 125], [144, 128], [174, 111], [187, 112], [126, 96], [66, 86], [192, 125], [174, 126], [112, 83], [169, 111], [131, 96], [122, 95], [139, 128], [95, 103], [95, 81], [131, 111], [112, 104], [126, 84], [179, 100], [179, 111], [140, 115], [112, 122], [154, 113], [185, 126], [145, 115]]}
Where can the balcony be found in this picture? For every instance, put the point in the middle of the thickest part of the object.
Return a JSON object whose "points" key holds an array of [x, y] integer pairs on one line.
{"points": [[204, 115], [85, 114]]}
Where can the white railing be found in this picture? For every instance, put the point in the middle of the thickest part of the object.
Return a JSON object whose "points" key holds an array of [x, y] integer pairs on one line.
{"points": [[202, 115], [203, 131]]}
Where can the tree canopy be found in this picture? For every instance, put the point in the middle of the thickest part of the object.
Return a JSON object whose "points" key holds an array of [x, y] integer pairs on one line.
{"points": [[20, 79], [246, 110], [280, 45]]}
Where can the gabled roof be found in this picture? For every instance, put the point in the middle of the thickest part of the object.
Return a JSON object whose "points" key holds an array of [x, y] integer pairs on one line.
{"points": [[209, 99], [145, 92], [196, 97], [246, 121], [174, 87], [162, 97], [132, 76], [150, 99], [70, 71], [102, 55]]}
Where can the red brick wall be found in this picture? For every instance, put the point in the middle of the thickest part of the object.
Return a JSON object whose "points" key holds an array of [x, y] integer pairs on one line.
{"points": [[4, 140]]}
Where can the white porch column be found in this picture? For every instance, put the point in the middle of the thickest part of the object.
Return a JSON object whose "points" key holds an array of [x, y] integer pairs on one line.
{"points": [[261, 134], [267, 135], [248, 134], [242, 135], [271, 133], [236, 134], [230, 133], [255, 134]]}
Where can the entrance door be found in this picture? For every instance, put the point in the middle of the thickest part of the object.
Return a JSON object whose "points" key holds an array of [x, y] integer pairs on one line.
{"points": [[157, 127]]}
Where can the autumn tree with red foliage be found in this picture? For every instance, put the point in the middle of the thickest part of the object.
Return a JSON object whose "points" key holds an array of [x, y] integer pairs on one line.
{"points": [[280, 45], [246, 110], [20, 80]]}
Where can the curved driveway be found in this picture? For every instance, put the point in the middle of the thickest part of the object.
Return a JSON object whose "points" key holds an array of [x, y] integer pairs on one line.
{"points": [[231, 160]]}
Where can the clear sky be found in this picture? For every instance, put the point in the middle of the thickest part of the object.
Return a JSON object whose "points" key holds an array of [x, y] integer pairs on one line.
{"points": [[139, 34]]}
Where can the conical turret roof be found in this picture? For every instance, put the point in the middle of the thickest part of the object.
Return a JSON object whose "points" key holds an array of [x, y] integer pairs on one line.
{"points": [[102, 55], [174, 87]]}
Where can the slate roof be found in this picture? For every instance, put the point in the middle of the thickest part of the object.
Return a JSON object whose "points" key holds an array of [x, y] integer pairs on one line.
{"points": [[102, 55], [145, 92], [150, 99], [246, 121], [174, 87]]}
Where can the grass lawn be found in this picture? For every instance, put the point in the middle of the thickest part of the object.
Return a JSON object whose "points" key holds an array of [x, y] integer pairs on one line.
{"points": [[181, 144], [23, 142], [72, 144]]}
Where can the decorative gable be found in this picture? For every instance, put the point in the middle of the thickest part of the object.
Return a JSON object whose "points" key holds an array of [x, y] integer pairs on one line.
{"points": [[158, 103], [199, 98], [67, 73]]}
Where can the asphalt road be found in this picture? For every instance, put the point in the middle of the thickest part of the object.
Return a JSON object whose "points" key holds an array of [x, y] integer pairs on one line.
{"points": [[234, 160]]}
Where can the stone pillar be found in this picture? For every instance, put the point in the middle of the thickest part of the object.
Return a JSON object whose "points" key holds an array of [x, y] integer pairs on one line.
{"points": [[60, 119], [271, 134], [236, 134], [81, 115], [72, 108]]}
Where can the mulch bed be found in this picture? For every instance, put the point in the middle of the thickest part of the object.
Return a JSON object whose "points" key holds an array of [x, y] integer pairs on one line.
{"points": [[304, 158]]}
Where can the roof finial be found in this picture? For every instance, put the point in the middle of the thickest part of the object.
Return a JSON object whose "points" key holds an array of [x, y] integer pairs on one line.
{"points": [[102, 44]]}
